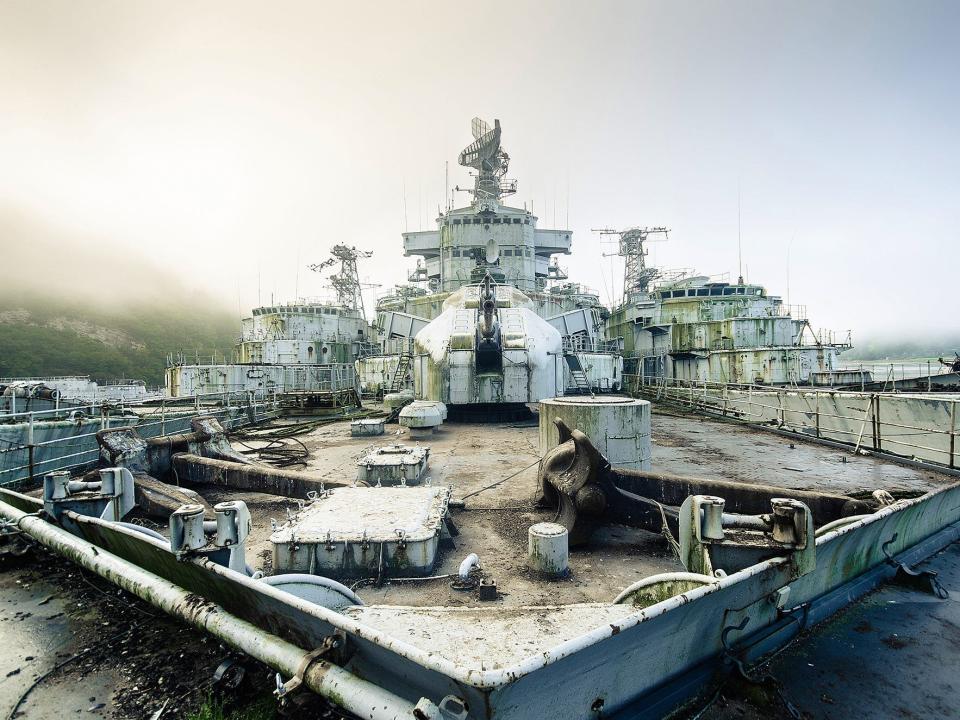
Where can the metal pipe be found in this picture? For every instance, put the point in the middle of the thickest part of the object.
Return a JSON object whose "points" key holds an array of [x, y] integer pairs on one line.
{"points": [[747, 522], [663, 578], [331, 681], [469, 562], [838, 523]]}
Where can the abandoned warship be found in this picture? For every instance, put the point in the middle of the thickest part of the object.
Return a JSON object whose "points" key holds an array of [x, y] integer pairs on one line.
{"points": [[602, 561]]}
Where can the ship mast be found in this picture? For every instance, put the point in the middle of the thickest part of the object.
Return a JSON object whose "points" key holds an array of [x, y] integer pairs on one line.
{"points": [[637, 275], [346, 282]]}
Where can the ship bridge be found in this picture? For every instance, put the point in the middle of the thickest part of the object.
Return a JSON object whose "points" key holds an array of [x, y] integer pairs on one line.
{"points": [[468, 242], [487, 236]]}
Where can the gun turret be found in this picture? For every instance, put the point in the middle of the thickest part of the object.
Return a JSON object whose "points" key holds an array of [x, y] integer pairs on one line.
{"points": [[489, 352], [488, 306]]}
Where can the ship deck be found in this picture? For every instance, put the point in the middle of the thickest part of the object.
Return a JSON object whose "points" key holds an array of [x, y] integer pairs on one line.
{"points": [[494, 469]]}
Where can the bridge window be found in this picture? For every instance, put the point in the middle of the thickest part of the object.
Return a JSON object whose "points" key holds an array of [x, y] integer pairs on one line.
{"points": [[456, 252], [516, 221]]}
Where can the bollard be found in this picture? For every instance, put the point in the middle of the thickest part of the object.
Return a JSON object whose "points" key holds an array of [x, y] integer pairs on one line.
{"points": [[547, 549]]}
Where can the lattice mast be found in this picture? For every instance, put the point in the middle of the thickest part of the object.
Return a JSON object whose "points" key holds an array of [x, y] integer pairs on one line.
{"points": [[346, 282], [637, 275]]}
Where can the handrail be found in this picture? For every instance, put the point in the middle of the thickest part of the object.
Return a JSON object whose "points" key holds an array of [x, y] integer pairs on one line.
{"points": [[920, 427]]}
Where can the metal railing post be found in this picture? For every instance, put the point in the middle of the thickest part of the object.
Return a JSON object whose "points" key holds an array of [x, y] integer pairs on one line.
{"points": [[818, 413], [953, 433], [30, 446], [876, 420]]}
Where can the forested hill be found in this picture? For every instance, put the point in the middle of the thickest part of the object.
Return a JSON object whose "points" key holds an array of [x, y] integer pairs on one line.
{"points": [[73, 301], [43, 336]]}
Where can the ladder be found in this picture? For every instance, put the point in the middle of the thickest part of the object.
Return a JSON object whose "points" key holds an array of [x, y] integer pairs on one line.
{"points": [[580, 379], [400, 376]]}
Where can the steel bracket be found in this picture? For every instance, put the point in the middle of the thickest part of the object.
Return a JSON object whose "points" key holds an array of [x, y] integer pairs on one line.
{"points": [[925, 580], [329, 643]]}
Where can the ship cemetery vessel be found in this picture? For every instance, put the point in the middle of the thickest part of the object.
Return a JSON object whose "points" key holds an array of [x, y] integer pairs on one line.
{"points": [[601, 560]]}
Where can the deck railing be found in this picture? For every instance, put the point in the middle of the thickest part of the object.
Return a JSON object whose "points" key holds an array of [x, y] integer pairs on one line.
{"points": [[893, 372], [913, 426], [582, 343], [39, 442]]}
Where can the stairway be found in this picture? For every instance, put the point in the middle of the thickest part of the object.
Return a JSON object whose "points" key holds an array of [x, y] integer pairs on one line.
{"points": [[580, 379], [400, 376]]}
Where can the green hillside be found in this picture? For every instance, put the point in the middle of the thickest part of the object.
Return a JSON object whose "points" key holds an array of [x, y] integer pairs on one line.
{"points": [[74, 301], [58, 337]]}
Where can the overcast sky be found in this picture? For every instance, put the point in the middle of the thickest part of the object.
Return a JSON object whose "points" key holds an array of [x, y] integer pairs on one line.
{"points": [[234, 140]]}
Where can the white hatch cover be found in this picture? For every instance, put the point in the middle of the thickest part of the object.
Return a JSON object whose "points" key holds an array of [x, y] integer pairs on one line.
{"points": [[376, 514]]}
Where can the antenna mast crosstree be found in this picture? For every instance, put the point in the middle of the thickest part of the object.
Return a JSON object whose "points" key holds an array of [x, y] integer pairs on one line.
{"points": [[637, 276]]}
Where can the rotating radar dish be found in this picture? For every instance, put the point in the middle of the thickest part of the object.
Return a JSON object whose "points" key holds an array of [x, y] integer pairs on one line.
{"points": [[490, 161], [479, 128], [481, 154]]}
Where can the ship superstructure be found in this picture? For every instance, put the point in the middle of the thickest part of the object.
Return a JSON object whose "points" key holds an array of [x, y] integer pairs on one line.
{"points": [[492, 250], [302, 333], [691, 328], [304, 346]]}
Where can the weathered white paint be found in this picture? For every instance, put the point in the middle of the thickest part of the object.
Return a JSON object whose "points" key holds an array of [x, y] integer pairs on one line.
{"points": [[619, 427], [445, 356], [347, 531], [548, 549], [393, 465], [376, 372], [186, 380]]}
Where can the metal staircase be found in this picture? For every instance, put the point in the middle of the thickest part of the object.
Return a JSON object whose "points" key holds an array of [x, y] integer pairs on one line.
{"points": [[400, 376], [580, 379]]}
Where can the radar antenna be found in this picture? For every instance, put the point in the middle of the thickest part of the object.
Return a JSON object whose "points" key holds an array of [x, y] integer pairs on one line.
{"points": [[637, 276], [490, 161], [346, 282]]}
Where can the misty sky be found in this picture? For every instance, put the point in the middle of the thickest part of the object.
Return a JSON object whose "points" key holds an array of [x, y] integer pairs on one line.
{"points": [[232, 140]]}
